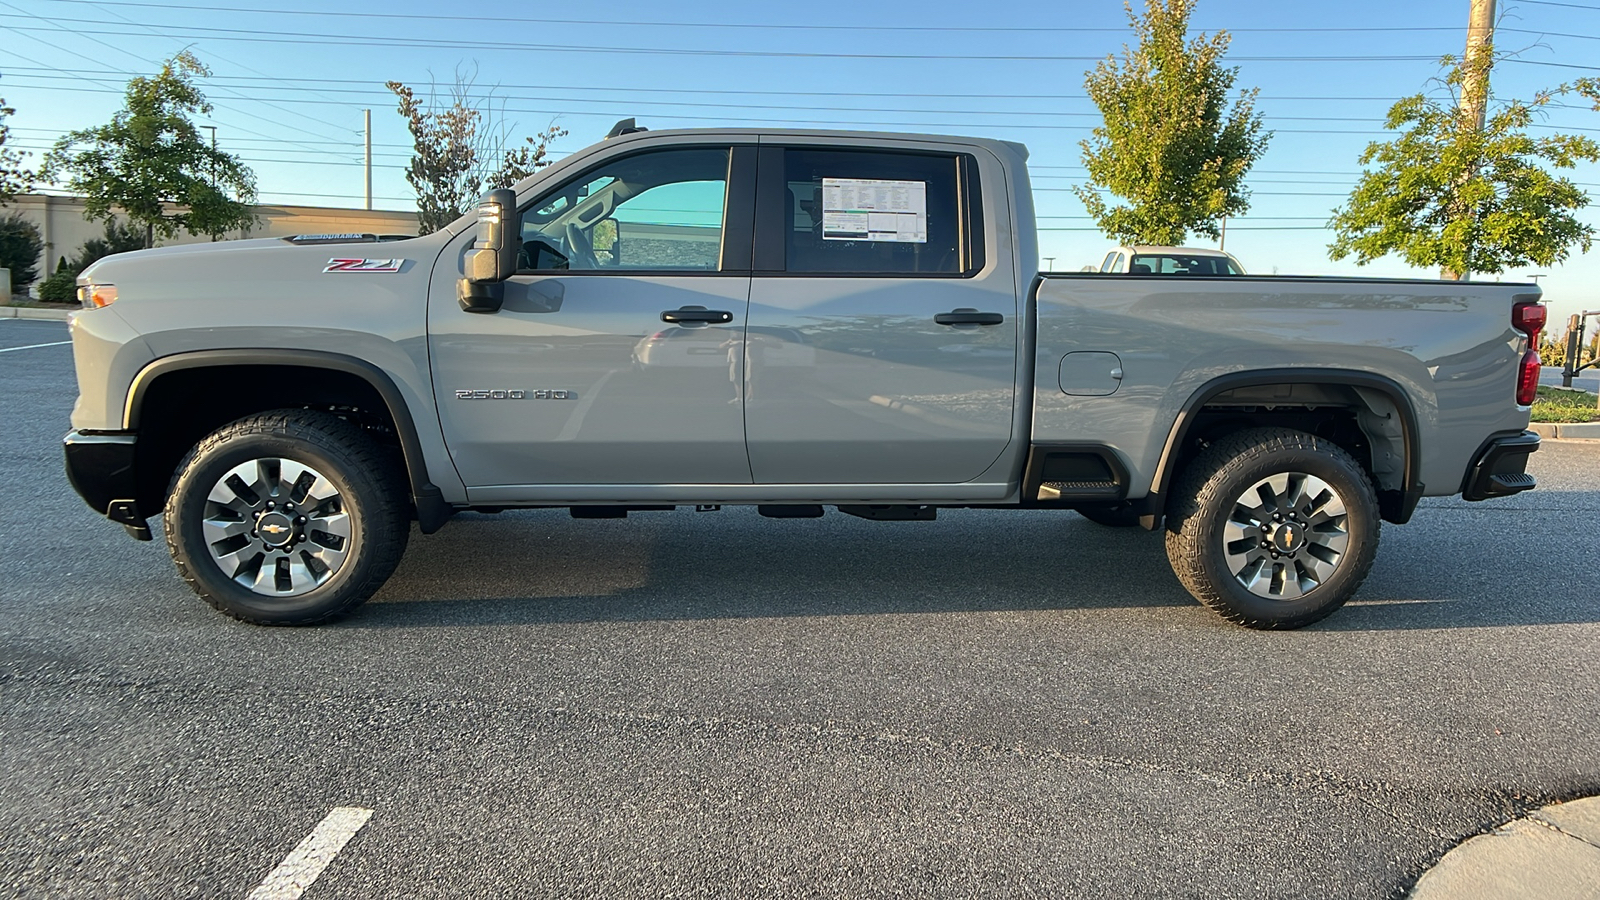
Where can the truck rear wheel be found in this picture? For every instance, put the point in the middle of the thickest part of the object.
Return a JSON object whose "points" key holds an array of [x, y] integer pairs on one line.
{"points": [[291, 517], [1273, 528]]}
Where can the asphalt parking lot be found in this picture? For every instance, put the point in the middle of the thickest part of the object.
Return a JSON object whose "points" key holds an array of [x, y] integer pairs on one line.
{"points": [[714, 704]]}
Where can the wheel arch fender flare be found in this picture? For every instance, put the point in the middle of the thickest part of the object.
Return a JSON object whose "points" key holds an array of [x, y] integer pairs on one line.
{"points": [[1397, 506], [432, 510]]}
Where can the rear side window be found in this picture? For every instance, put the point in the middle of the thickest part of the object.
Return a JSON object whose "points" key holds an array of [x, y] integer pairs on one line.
{"points": [[875, 213]]}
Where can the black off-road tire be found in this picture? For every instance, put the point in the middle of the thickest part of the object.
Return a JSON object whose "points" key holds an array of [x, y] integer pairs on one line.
{"points": [[1206, 497], [371, 492]]}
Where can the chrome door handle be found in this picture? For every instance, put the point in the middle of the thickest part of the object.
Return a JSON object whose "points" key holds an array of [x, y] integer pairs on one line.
{"points": [[697, 315]]}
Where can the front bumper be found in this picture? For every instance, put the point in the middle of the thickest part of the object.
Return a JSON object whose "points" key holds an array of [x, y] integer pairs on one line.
{"points": [[1500, 467], [100, 467]]}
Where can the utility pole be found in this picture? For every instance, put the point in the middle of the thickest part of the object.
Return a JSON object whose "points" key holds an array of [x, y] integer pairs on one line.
{"points": [[1222, 244], [1476, 62], [367, 116]]}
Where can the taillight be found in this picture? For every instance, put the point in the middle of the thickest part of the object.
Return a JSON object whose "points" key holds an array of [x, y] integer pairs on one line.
{"points": [[1528, 378], [1528, 317]]}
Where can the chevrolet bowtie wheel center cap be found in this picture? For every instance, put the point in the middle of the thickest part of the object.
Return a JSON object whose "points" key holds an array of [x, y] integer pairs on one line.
{"points": [[276, 529], [1289, 537]]}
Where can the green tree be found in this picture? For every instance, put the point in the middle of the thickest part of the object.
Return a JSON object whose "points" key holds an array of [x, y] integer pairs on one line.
{"points": [[1590, 89], [459, 150], [1447, 193], [14, 179], [1171, 144], [20, 246], [151, 163]]}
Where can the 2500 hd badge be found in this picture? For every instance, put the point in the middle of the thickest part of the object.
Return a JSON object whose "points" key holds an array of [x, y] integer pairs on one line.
{"points": [[513, 395]]}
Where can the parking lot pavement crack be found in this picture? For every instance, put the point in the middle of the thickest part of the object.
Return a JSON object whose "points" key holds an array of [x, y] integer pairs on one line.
{"points": [[1562, 831], [1324, 783]]}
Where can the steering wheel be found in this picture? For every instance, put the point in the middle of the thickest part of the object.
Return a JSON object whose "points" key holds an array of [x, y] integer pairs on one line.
{"points": [[580, 251]]}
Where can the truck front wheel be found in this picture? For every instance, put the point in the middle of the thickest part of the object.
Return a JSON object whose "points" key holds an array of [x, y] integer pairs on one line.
{"points": [[1273, 528], [291, 517]]}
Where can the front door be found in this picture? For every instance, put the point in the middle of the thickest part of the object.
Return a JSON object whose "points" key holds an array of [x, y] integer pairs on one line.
{"points": [[617, 355]]}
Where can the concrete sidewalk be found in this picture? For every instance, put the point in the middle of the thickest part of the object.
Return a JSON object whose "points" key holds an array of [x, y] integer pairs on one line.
{"points": [[1551, 854]]}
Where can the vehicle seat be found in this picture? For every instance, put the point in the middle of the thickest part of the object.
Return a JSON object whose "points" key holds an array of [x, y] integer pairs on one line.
{"points": [[1139, 269]]}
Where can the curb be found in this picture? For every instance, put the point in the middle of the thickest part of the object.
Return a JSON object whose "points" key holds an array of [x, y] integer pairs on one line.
{"points": [[1553, 853], [34, 312], [1582, 431]]}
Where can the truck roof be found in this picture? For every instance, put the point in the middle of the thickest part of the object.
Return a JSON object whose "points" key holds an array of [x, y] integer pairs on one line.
{"points": [[1009, 147]]}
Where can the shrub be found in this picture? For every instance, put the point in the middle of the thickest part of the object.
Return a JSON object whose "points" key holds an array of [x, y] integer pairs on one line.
{"points": [[20, 246], [120, 237], [62, 287]]}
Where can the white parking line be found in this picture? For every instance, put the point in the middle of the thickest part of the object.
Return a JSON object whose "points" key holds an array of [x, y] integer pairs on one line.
{"points": [[305, 863], [34, 346]]}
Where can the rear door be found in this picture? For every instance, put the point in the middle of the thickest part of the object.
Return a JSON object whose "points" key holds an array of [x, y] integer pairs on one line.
{"points": [[882, 338]]}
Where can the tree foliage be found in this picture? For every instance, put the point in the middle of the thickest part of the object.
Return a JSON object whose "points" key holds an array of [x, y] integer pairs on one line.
{"points": [[1590, 89], [151, 163], [20, 246], [459, 150], [1445, 193], [1171, 144], [14, 179]]}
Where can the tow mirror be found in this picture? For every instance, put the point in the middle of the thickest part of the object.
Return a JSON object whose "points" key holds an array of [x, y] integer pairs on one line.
{"points": [[493, 257]]}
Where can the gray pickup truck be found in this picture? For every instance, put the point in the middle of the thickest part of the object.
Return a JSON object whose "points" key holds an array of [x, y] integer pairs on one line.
{"points": [[788, 320]]}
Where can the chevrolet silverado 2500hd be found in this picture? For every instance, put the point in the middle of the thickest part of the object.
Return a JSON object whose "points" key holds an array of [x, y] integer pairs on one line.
{"points": [[785, 319]]}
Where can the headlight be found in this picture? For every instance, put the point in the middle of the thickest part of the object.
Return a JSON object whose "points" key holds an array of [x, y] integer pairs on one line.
{"points": [[95, 296]]}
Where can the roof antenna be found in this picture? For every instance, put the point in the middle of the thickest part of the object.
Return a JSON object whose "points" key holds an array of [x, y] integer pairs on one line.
{"points": [[623, 127]]}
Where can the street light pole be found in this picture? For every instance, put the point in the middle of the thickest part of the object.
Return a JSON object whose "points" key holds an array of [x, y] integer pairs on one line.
{"points": [[367, 128], [213, 130]]}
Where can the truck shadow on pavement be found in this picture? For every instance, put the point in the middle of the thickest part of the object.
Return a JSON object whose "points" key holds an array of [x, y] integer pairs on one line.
{"points": [[541, 567]]}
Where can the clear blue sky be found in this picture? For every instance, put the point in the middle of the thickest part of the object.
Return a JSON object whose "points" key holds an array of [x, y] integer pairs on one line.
{"points": [[290, 85]]}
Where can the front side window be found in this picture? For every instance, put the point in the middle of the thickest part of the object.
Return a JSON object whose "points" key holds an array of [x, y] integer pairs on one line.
{"points": [[657, 211], [869, 212]]}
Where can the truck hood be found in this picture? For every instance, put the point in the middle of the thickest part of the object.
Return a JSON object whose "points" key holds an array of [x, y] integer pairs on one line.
{"points": [[247, 251]]}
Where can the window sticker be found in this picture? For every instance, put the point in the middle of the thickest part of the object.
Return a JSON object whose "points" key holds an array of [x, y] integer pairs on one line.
{"points": [[870, 209]]}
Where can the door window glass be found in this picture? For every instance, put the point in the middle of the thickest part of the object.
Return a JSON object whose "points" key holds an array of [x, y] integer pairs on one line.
{"points": [[1109, 261], [1184, 264], [658, 211], [863, 212]]}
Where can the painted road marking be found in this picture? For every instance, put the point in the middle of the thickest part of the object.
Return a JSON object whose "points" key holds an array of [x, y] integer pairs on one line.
{"points": [[305, 863], [34, 346]]}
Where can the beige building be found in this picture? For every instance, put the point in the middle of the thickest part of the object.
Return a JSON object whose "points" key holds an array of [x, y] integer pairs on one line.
{"points": [[64, 229]]}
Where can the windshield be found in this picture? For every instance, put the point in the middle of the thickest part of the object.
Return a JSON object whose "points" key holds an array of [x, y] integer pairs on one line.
{"points": [[1182, 264]]}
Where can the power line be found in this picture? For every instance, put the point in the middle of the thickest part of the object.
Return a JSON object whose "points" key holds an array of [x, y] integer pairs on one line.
{"points": [[765, 106], [611, 23], [303, 38], [1568, 5], [767, 93], [90, 81], [228, 61], [875, 125]]}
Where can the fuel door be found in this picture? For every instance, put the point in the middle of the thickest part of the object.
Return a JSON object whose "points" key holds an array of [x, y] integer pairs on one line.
{"points": [[1090, 373]]}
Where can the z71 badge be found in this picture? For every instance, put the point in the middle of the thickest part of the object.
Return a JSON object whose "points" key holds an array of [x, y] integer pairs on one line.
{"points": [[513, 395], [364, 265]]}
